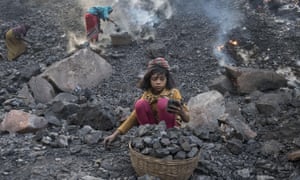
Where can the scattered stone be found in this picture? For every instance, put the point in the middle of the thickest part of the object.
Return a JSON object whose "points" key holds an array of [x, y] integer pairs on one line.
{"points": [[235, 146], [294, 156], [90, 178], [22, 122], [264, 177], [271, 148], [93, 137], [42, 90]]}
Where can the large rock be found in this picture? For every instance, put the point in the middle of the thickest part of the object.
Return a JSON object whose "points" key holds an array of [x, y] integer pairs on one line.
{"points": [[64, 109], [237, 122], [123, 38], [247, 80], [42, 90], [26, 95], [84, 69], [269, 103], [205, 108], [22, 122]]}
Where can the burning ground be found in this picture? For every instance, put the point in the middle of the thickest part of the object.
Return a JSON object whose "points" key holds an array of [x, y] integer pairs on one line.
{"points": [[197, 38]]}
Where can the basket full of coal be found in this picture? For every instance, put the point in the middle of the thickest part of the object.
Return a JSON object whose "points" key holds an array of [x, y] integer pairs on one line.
{"points": [[164, 153]]}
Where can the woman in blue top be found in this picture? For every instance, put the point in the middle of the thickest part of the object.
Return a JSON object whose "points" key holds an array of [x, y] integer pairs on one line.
{"points": [[92, 21]]}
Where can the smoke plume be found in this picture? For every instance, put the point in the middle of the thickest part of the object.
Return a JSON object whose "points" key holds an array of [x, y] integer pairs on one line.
{"points": [[227, 17]]}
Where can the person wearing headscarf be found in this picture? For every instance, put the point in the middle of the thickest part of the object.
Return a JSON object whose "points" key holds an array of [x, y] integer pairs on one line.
{"points": [[93, 18], [154, 104], [15, 42]]}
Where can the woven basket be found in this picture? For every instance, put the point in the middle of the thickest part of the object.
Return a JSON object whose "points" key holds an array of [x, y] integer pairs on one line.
{"points": [[162, 168]]}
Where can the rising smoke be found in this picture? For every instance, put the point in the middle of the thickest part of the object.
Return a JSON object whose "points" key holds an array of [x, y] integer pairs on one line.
{"points": [[227, 16], [137, 17]]}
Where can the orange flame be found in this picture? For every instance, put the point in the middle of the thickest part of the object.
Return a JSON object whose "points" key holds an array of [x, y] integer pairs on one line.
{"points": [[233, 42]]}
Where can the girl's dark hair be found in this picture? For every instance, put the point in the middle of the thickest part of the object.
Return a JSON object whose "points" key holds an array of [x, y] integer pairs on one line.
{"points": [[145, 84]]}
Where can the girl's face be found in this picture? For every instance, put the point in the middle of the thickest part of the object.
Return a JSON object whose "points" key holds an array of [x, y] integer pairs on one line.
{"points": [[158, 82]]}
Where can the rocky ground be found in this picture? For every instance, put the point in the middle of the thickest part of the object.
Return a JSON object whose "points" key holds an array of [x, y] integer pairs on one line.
{"points": [[191, 37]]}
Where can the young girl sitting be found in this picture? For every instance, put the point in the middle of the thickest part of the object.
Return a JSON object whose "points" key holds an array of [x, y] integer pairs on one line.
{"points": [[153, 106]]}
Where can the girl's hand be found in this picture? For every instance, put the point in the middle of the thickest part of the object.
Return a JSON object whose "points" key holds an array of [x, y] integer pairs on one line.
{"points": [[179, 110], [109, 139]]}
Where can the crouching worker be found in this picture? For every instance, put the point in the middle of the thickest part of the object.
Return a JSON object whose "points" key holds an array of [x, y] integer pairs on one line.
{"points": [[93, 23], [15, 41], [154, 105]]}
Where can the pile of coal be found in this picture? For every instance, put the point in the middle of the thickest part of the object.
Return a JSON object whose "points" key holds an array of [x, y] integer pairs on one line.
{"points": [[170, 144]]}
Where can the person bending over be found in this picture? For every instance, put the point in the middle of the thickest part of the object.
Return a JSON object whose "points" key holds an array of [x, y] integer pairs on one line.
{"points": [[93, 23], [15, 41]]}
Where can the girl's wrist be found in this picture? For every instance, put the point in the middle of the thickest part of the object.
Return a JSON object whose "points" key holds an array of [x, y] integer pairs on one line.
{"points": [[116, 133]]}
